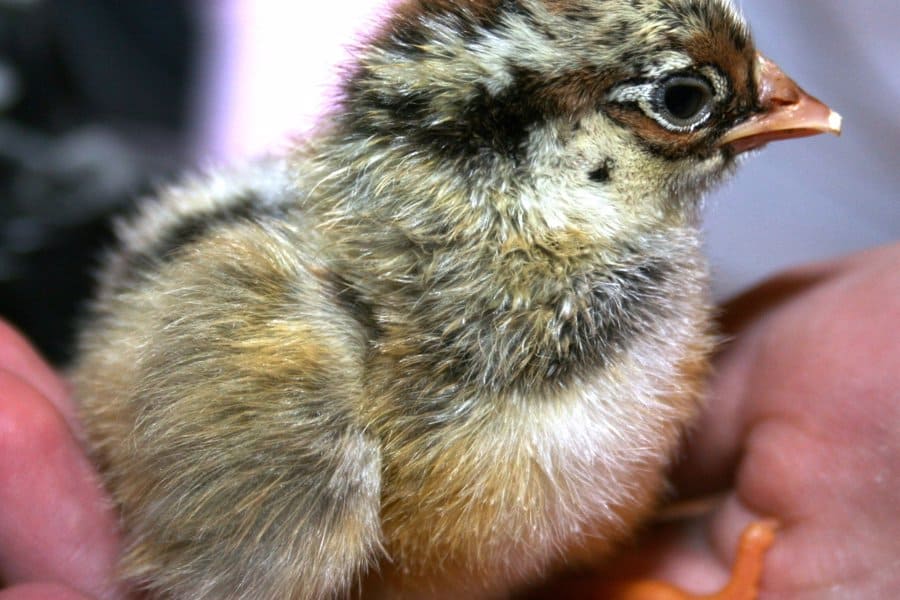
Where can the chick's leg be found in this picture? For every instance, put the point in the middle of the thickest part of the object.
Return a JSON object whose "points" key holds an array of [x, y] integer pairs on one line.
{"points": [[745, 575]]}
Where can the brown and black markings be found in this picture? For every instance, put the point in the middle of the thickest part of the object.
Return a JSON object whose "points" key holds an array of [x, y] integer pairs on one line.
{"points": [[329, 379]]}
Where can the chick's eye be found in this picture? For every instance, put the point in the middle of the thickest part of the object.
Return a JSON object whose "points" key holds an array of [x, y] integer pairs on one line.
{"points": [[684, 102]]}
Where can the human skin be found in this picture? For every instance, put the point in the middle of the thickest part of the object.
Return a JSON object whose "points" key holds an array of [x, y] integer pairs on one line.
{"points": [[803, 425], [58, 534]]}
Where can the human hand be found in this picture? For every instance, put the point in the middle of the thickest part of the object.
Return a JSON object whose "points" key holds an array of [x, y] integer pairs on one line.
{"points": [[803, 425], [58, 533]]}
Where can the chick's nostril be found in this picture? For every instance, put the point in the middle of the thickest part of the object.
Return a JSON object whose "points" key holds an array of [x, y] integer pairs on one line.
{"points": [[783, 101], [775, 88]]}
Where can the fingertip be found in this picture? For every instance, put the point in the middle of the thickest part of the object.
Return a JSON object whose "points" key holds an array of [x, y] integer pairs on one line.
{"points": [[19, 357], [56, 523], [29, 424]]}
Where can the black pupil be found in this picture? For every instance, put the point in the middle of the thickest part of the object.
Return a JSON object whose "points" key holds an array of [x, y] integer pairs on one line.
{"points": [[685, 100]]}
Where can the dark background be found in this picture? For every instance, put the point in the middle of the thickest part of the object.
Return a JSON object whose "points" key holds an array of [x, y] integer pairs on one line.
{"points": [[93, 113]]}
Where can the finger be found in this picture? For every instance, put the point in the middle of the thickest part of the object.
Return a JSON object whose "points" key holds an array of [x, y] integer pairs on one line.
{"points": [[41, 591], [56, 524], [19, 357], [787, 360]]}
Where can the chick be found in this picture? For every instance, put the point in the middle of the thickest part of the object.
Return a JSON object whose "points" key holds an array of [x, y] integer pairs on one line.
{"points": [[448, 344]]}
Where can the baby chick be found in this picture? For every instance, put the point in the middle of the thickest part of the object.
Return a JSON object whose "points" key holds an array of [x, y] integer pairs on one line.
{"points": [[447, 345]]}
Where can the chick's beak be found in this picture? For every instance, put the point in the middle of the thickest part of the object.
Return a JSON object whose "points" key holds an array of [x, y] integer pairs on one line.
{"points": [[787, 112]]}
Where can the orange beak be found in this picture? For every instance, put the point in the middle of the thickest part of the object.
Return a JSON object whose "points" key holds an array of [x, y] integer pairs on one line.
{"points": [[788, 112]]}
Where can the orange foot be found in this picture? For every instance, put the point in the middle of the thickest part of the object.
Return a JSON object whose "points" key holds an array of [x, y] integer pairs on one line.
{"points": [[745, 575]]}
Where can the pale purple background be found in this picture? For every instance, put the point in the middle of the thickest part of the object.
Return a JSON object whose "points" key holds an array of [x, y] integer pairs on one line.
{"points": [[270, 65]]}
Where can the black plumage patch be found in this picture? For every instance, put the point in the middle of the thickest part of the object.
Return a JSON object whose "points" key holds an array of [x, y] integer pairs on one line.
{"points": [[409, 29], [196, 226], [481, 126], [620, 303], [348, 298], [601, 174], [592, 319], [189, 230], [461, 119]]}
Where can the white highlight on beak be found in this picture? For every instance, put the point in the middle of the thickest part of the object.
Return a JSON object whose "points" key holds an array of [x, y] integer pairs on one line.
{"points": [[834, 121]]}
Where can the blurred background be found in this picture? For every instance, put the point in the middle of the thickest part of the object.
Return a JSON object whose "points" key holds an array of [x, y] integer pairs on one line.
{"points": [[94, 108], [101, 100]]}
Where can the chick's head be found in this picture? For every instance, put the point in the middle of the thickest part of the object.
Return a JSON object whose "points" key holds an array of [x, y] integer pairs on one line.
{"points": [[549, 114]]}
